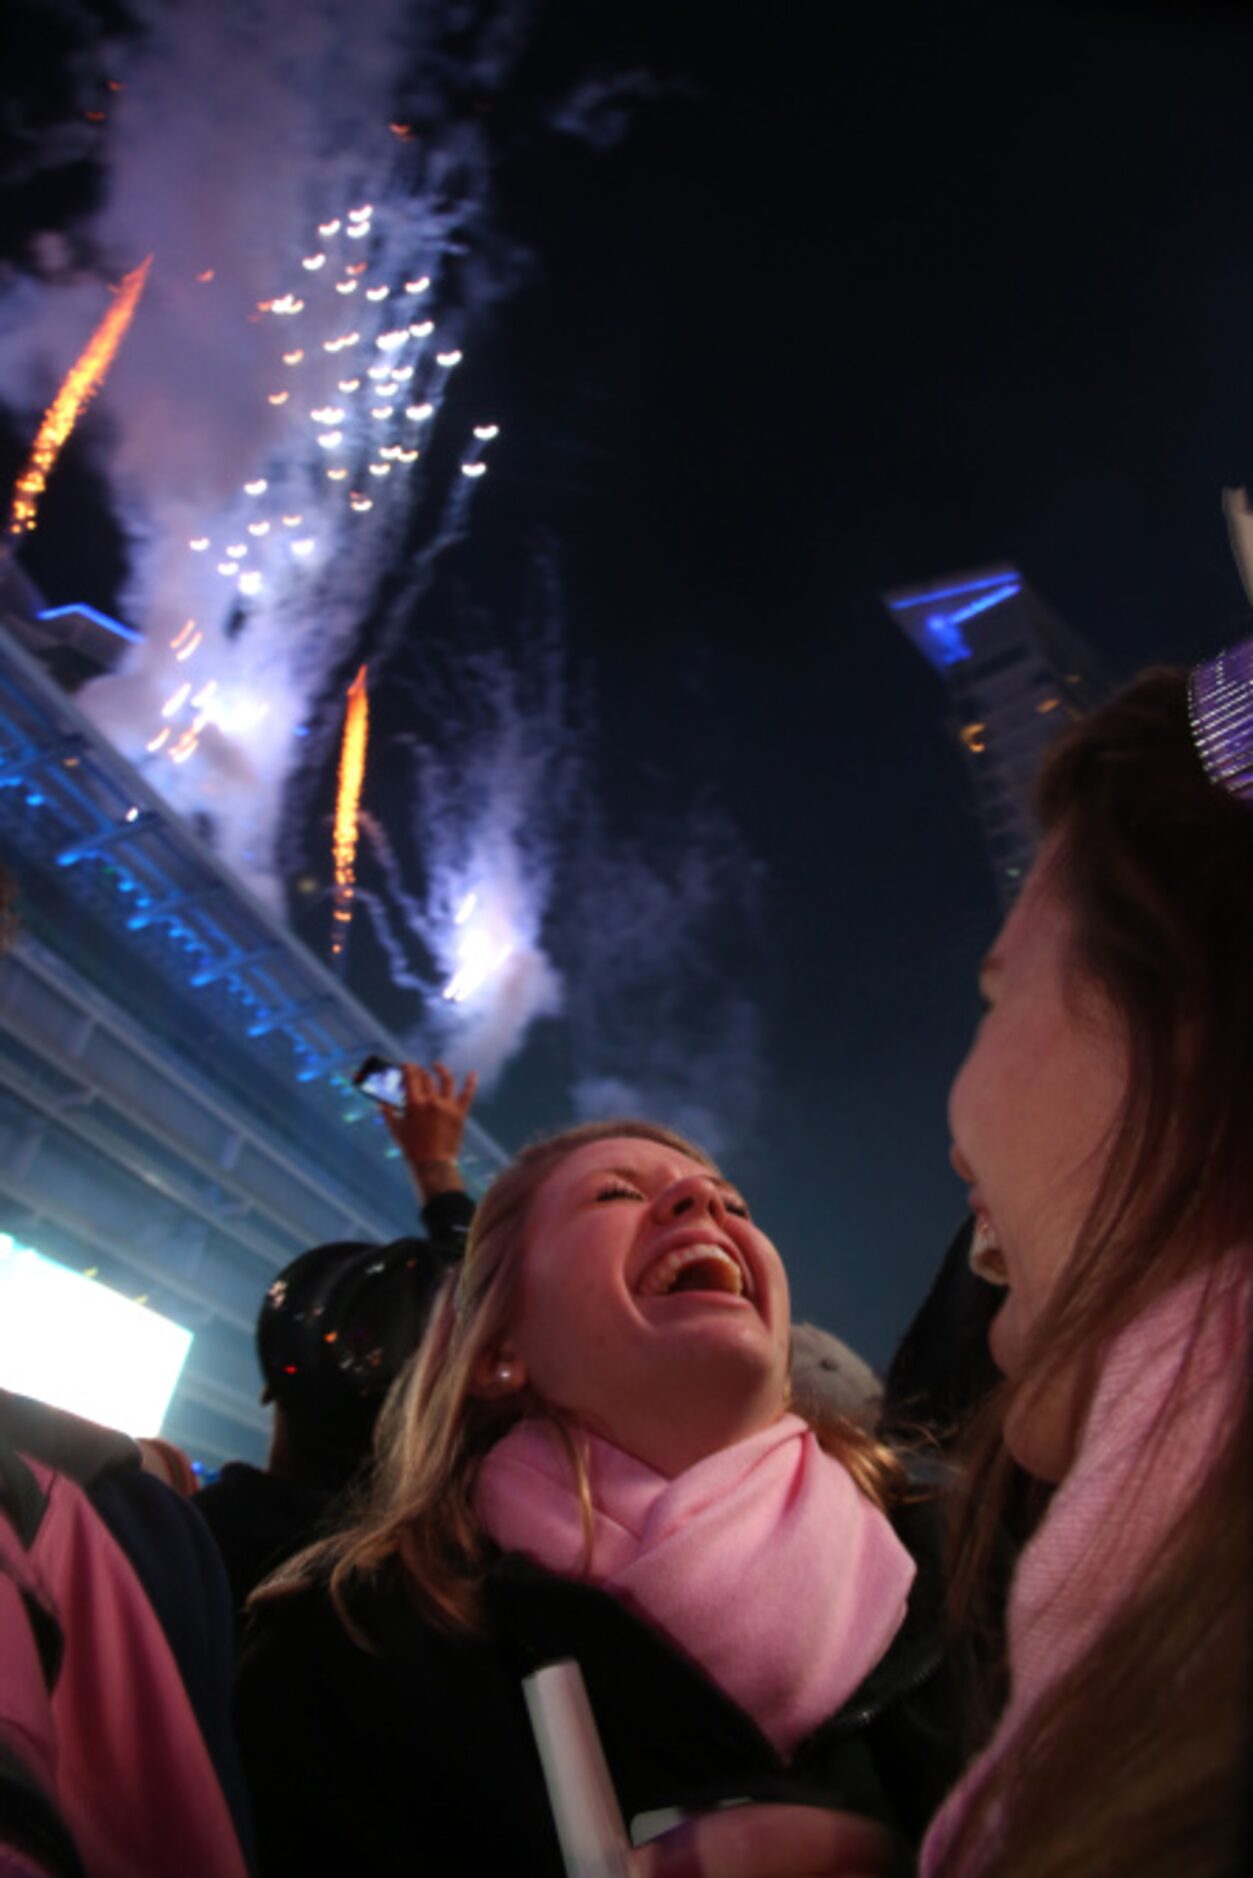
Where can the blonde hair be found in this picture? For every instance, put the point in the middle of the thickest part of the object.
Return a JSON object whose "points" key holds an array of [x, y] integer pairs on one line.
{"points": [[418, 1508]]}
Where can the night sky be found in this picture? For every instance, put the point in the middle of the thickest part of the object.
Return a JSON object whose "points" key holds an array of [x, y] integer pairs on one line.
{"points": [[859, 296]]}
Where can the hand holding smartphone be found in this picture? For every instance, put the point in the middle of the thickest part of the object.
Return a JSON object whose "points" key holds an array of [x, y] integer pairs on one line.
{"points": [[382, 1081]]}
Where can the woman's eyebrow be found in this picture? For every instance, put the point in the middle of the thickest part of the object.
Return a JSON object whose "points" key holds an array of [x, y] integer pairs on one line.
{"points": [[631, 1174], [638, 1179]]}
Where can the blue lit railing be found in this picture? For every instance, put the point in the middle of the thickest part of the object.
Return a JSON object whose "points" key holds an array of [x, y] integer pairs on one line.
{"points": [[146, 874], [104, 620]]}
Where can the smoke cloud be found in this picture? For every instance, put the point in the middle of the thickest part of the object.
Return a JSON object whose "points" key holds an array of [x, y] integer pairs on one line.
{"points": [[512, 885], [318, 202], [316, 186]]}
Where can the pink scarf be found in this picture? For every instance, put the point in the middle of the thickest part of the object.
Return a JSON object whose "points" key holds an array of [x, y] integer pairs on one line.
{"points": [[1131, 1479], [763, 1563]]}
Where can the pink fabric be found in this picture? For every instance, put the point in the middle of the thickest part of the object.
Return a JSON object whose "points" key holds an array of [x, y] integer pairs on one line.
{"points": [[119, 1744], [1132, 1478], [763, 1563], [26, 1722]]}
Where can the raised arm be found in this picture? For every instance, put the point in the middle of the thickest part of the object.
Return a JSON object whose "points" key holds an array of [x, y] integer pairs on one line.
{"points": [[429, 1129]]}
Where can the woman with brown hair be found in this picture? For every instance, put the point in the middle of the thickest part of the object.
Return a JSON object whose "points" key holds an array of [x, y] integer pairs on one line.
{"points": [[594, 1459], [1102, 1122]]}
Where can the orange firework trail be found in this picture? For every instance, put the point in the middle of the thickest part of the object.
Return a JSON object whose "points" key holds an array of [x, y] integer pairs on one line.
{"points": [[348, 803], [84, 377]]}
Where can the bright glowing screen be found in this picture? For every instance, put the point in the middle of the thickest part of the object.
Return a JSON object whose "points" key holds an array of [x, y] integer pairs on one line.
{"points": [[81, 1346]]}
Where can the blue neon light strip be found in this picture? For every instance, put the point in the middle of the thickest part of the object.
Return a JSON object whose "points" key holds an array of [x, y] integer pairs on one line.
{"points": [[953, 593], [200, 964], [981, 605], [101, 619]]}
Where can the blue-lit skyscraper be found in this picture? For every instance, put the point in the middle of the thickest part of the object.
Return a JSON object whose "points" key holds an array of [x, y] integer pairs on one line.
{"points": [[1014, 674]]}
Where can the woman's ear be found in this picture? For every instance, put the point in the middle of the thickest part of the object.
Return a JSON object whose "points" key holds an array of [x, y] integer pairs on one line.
{"points": [[497, 1373]]}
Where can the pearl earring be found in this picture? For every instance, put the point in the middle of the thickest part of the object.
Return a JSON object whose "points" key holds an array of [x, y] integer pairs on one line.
{"points": [[505, 1375]]}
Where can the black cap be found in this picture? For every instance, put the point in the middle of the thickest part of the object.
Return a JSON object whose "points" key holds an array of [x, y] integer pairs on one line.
{"points": [[339, 1323]]}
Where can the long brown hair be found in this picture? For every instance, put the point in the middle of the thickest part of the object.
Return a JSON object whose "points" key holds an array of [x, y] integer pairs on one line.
{"points": [[434, 1429], [1133, 1761]]}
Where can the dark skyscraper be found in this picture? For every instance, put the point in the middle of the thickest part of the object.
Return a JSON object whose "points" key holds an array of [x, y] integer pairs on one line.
{"points": [[1014, 674]]}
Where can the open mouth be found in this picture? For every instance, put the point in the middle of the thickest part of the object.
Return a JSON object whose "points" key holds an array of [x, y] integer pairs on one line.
{"points": [[693, 1268]]}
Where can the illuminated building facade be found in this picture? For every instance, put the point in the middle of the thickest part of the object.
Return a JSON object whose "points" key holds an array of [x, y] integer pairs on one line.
{"points": [[176, 1112], [1014, 674]]}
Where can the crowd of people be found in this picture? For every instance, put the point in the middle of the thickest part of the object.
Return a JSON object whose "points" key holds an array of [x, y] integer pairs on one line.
{"points": [[989, 1619]]}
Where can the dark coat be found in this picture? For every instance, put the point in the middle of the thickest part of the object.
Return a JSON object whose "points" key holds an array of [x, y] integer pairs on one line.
{"points": [[943, 1369], [259, 1520], [420, 1758]]}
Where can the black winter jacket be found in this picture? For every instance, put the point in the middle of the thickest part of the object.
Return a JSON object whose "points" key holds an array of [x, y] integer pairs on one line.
{"points": [[420, 1758]]}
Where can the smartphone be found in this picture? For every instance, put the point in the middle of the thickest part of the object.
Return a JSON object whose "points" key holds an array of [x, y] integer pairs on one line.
{"points": [[382, 1081]]}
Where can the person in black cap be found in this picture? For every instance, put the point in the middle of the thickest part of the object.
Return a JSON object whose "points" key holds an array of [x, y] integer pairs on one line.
{"points": [[336, 1327]]}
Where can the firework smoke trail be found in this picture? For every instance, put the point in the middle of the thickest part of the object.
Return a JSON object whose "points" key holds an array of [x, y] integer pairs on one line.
{"points": [[532, 905], [348, 807], [511, 875], [84, 377], [464, 897], [249, 139], [318, 200]]}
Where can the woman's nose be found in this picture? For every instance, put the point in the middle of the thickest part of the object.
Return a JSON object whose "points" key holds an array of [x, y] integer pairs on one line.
{"points": [[695, 1194]]}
